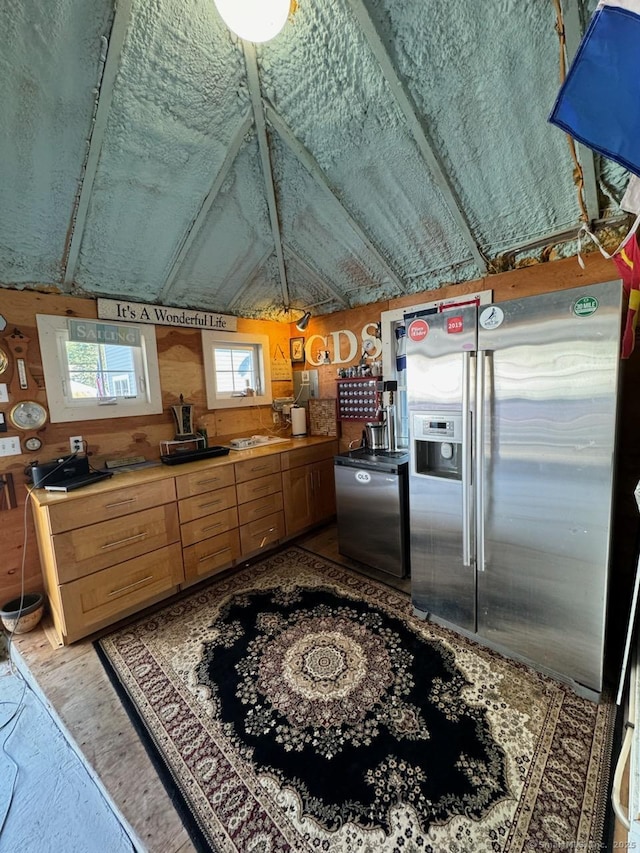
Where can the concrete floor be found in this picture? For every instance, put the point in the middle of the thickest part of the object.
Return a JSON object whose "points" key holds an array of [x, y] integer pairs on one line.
{"points": [[50, 800]]}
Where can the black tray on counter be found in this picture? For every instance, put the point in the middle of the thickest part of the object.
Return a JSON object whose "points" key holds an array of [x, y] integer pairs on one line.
{"points": [[193, 455]]}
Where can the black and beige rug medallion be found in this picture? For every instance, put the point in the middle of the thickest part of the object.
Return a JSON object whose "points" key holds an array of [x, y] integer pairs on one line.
{"points": [[300, 707]]}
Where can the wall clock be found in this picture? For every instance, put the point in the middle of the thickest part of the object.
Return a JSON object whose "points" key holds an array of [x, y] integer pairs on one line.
{"points": [[33, 443], [28, 415]]}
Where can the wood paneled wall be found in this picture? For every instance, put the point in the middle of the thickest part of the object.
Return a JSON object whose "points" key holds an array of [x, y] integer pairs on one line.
{"points": [[539, 278], [182, 372]]}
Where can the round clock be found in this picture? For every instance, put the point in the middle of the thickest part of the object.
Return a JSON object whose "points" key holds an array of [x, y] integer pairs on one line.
{"points": [[28, 415], [33, 443]]}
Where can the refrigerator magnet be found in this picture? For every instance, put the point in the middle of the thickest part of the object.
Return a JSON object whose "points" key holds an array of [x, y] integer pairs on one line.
{"points": [[491, 317], [418, 330]]}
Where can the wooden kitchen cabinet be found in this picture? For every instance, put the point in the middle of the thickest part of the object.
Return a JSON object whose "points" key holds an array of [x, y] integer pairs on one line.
{"points": [[208, 522], [308, 486], [210, 556], [259, 490], [107, 554], [134, 540], [103, 597]]}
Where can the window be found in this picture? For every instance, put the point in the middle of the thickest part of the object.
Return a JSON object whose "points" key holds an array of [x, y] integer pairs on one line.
{"points": [[95, 370], [236, 369]]}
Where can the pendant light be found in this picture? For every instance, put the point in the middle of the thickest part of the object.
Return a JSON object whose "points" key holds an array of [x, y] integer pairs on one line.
{"points": [[254, 20]]}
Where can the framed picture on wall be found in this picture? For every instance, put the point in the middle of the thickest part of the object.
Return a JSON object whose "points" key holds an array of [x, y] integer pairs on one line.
{"points": [[296, 350]]}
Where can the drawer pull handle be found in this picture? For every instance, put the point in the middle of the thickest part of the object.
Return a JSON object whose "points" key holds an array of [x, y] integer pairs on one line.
{"points": [[210, 480], [217, 502], [123, 541], [262, 488], [130, 586], [259, 468], [266, 533], [212, 526], [215, 554], [121, 503]]}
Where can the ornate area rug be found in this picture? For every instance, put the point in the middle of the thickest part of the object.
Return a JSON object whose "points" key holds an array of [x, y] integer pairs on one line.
{"points": [[300, 706]]}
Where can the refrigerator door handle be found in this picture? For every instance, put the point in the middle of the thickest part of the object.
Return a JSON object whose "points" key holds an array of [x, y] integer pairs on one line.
{"points": [[479, 459], [466, 460]]}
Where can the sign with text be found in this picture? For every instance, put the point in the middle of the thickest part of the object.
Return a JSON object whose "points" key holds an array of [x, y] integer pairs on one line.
{"points": [[418, 330], [160, 315], [90, 332], [455, 325]]}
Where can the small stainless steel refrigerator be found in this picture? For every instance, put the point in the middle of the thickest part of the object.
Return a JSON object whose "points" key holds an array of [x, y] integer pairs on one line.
{"points": [[512, 414], [371, 508]]}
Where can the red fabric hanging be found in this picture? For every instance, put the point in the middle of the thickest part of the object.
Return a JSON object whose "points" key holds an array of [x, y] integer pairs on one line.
{"points": [[627, 260]]}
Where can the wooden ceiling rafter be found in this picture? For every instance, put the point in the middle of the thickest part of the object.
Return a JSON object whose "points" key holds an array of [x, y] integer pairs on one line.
{"points": [[248, 281], [236, 143], [106, 84], [253, 82], [415, 125], [307, 159], [317, 278]]}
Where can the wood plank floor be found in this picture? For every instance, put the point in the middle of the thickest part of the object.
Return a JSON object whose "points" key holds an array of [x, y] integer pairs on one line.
{"points": [[77, 687]]}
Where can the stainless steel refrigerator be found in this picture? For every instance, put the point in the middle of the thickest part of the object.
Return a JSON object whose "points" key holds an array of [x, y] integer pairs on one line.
{"points": [[512, 417]]}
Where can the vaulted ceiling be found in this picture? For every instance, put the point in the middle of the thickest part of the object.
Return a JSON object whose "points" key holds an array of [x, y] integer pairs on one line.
{"points": [[374, 148]]}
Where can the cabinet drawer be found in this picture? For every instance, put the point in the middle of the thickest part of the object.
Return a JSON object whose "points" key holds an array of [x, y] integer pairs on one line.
{"points": [[207, 504], [260, 467], [259, 488], [209, 525], [112, 504], [83, 551], [309, 455], [104, 596], [211, 555], [261, 533], [254, 510], [204, 481]]}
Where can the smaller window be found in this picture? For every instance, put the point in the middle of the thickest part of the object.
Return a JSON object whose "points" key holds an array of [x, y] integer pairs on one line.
{"points": [[95, 370], [236, 369]]}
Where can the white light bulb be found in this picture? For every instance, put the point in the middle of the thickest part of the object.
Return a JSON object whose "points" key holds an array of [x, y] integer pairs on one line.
{"points": [[254, 20]]}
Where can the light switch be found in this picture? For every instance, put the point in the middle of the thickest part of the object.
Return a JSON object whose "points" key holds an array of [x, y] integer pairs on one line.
{"points": [[4, 394], [10, 446]]}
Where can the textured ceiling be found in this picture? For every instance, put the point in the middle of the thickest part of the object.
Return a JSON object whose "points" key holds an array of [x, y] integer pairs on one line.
{"points": [[374, 148]]}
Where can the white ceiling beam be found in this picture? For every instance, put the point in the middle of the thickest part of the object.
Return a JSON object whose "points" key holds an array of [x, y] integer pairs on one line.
{"points": [[309, 162], [106, 85], [235, 145], [248, 280], [253, 81], [415, 124], [316, 278], [573, 36]]}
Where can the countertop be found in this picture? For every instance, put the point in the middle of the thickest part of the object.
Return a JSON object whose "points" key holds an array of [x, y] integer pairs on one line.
{"points": [[150, 474]]}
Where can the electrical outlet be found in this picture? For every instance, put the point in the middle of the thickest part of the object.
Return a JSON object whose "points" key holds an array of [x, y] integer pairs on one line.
{"points": [[275, 416], [76, 444]]}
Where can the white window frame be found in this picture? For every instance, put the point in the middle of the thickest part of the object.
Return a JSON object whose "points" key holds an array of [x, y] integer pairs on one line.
{"points": [[211, 339], [52, 332]]}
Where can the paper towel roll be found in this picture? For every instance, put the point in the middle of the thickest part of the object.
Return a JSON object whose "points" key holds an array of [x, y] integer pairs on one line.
{"points": [[298, 420]]}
